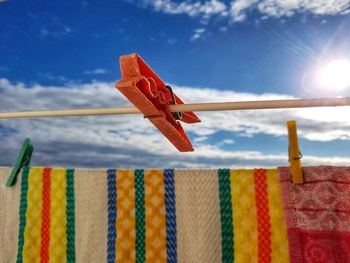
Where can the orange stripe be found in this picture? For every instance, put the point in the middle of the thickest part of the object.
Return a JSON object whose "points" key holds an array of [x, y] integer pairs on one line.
{"points": [[45, 217], [155, 216], [125, 225], [263, 216]]}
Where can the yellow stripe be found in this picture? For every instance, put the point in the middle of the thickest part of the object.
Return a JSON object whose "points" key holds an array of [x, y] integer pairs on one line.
{"points": [[58, 236], [32, 232], [126, 232], [155, 216], [244, 216], [279, 241]]}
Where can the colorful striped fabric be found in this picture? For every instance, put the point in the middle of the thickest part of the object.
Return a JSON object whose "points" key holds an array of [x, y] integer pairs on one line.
{"points": [[121, 215], [142, 231], [46, 216], [253, 197]]}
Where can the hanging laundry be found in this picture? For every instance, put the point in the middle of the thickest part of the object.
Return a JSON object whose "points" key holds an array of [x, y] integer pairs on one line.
{"points": [[259, 231], [124, 215], [46, 227], [318, 214]]}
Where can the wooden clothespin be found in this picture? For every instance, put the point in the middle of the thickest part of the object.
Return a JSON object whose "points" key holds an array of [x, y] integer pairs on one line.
{"points": [[23, 159], [144, 88], [294, 153]]}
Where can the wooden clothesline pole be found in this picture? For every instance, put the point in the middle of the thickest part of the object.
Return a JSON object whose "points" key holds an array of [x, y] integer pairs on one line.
{"points": [[219, 106]]}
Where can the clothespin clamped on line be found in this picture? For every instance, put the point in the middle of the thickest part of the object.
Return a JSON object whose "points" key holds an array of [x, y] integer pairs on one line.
{"points": [[294, 153], [144, 88], [23, 159]]}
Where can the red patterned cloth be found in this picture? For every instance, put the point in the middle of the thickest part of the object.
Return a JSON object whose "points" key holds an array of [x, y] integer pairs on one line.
{"points": [[318, 214]]}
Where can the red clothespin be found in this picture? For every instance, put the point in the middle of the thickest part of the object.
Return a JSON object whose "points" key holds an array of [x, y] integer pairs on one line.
{"points": [[142, 86]]}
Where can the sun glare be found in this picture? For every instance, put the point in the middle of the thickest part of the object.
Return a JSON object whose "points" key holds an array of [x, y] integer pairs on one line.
{"points": [[335, 75]]}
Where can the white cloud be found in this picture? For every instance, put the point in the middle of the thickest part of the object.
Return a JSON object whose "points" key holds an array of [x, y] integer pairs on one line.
{"points": [[190, 8], [131, 141], [198, 34], [98, 71], [228, 141], [50, 76], [200, 139], [57, 32], [279, 8], [239, 7], [172, 40], [53, 28], [238, 10]]}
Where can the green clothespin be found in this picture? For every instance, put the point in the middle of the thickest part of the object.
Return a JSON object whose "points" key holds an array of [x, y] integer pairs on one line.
{"points": [[23, 159]]}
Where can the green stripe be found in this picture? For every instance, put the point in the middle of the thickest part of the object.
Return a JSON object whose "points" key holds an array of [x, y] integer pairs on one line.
{"points": [[70, 217], [140, 216], [226, 216], [22, 213]]}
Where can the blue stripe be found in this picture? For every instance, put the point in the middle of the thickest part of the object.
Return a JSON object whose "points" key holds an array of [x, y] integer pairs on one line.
{"points": [[112, 215], [170, 207]]}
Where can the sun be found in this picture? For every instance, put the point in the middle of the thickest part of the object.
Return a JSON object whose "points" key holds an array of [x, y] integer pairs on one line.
{"points": [[335, 75]]}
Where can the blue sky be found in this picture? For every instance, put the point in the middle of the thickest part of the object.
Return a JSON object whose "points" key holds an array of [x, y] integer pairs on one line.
{"points": [[64, 54]]}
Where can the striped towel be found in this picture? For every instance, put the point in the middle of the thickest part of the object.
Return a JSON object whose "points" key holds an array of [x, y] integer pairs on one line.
{"points": [[118, 215], [318, 214]]}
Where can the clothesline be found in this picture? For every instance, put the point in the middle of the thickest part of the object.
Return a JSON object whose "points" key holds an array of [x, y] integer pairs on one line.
{"points": [[219, 106]]}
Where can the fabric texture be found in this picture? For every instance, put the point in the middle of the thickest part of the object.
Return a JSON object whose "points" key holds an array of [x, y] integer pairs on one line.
{"points": [[198, 216], [45, 229], [259, 226], [244, 216], [9, 217], [318, 214], [125, 215], [125, 225], [91, 215]]}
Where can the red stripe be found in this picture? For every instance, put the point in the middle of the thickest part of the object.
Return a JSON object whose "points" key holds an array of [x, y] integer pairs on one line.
{"points": [[305, 209], [45, 217], [327, 181], [263, 216], [319, 181]]}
